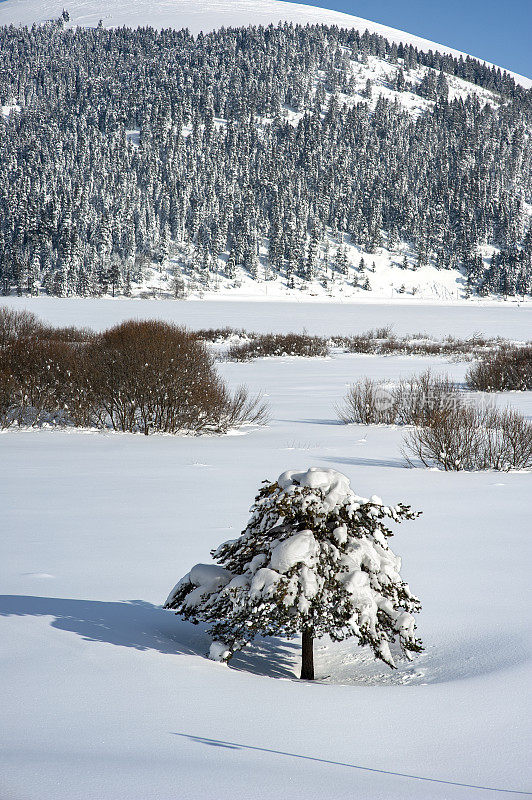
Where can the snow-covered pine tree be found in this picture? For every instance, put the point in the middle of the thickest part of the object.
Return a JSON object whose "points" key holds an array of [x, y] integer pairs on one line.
{"points": [[341, 261], [313, 560]]}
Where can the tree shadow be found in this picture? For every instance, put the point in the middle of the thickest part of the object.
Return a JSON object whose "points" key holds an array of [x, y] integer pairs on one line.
{"points": [[367, 462], [268, 655], [144, 626], [202, 740], [313, 421], [136, 623]]}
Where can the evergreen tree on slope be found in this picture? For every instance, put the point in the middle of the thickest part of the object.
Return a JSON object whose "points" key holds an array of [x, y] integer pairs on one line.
{"points": [[313, 560]]}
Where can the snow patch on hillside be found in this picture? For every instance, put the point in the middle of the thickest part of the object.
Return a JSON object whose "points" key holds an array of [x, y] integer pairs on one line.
{"points": [[381, 275], [9, 109], [383, 75]]}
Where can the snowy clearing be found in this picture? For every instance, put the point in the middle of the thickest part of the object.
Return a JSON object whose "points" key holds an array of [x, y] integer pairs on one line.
{"points": [[106, 696]]}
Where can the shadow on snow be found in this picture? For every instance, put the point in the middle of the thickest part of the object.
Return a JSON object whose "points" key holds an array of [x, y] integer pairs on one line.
{"points": [[144, 626], [239, 746], [355, 461]]}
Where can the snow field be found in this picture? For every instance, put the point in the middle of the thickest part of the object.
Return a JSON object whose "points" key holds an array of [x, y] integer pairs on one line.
{"points": [[106, 696]]}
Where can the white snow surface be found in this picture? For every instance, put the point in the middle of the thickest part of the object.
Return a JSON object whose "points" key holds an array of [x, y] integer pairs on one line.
{"points": [[204, 16], [9, 109], [106, 696], [264, 582]]}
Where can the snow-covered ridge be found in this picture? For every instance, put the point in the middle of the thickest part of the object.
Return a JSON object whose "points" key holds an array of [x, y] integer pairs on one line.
{"points": [[206, 16]]}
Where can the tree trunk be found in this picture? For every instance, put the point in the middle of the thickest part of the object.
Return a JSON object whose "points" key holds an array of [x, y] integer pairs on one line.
{"points": [[307, 655]]}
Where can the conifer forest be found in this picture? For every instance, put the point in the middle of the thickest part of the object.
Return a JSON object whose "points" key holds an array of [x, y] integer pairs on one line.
{"points": [[253, 151]]}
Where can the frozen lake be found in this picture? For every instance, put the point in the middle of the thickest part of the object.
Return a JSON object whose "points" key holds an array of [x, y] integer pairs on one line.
{"points": [[492, 319]]}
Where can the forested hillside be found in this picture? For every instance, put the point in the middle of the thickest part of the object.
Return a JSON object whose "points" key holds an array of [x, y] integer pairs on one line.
{"points": [[274, 154]]}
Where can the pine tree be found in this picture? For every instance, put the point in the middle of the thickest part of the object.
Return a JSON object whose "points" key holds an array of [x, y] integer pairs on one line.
{"points": [[115, 275], [341, 262], [312, 255], [400, 82], [164, 248], [442, 86], [34, 273], [231, 264], [326, 256], [312, 560]]}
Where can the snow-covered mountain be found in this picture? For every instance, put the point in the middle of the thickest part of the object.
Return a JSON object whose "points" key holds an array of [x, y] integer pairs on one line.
{"points": [[205, 16], [323, 184]]}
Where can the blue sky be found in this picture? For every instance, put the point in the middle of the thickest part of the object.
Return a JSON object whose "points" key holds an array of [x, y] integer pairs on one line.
{"points": [[500, 32]]}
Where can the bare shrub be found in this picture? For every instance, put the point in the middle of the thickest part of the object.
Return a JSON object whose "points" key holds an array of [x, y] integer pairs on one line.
{"points": [[384, 342], [510, 440], [368, 402], [467, 437], [137, 377], [154, 376], [381, 341], [17, 325], [217, 335], [47, 383], [241, 409], [506, 370], [408, 402], [449, 432], [385, 332], [67, 334], [417, 398], [279, 344], [451, 440], [8, 399]]}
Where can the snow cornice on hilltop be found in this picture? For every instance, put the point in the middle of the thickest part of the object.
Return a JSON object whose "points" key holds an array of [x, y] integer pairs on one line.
{"points": [[209, 16]]}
